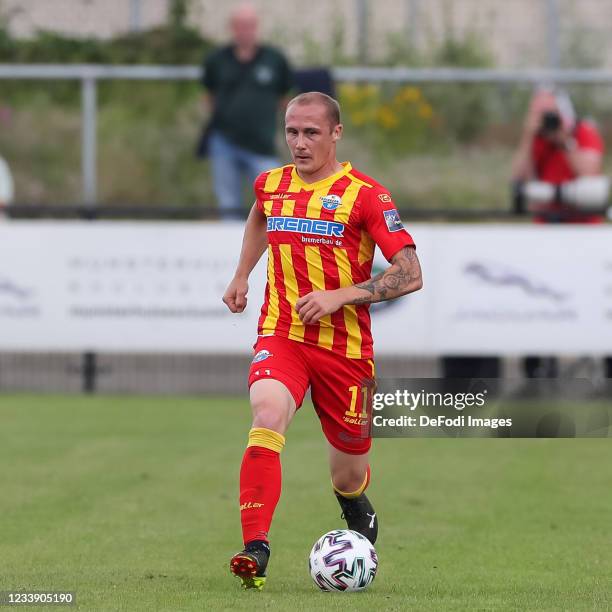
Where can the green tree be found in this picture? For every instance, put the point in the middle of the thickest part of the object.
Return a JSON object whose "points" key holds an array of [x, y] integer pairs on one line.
{"points": [[178, 13]]}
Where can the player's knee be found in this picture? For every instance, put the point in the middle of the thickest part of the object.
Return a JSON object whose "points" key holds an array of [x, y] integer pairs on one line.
{"points": [[269, 414], [272, 405]]}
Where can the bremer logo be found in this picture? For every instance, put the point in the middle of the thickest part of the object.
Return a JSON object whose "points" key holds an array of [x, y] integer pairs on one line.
{"points": [[306, 226], [249, 505]]}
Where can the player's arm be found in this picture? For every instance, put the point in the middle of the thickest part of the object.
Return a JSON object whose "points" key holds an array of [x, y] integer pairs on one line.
{"points": [[380, 219], [254, 243], [403, 276]]}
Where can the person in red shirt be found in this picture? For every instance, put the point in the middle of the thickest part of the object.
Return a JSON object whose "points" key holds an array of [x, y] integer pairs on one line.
{"points": [[556, 148], [319, 221]]}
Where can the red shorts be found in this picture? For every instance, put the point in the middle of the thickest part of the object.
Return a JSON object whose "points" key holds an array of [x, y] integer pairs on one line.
{"points": [[340, 388]]}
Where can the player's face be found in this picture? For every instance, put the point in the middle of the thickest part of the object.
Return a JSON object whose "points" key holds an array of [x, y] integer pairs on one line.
{"points": [[310, 137]]}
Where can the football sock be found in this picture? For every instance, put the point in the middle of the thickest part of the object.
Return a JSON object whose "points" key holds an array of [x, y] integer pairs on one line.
{"points": [[359, 491], [357, 510], [260, 483]]}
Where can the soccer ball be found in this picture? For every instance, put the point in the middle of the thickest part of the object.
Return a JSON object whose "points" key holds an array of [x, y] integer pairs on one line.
{"points": [[343, 560]]}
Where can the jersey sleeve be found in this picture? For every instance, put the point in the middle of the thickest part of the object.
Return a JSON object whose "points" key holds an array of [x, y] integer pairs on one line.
{"points": [[381, 219], [588, 138], [258, 189]]}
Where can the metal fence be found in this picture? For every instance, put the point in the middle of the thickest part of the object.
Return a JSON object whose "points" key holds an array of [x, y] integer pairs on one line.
{"points": [[90, 75]]}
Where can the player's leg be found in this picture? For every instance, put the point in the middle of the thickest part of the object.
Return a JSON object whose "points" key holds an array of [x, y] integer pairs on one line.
{"points": [[341, 391], [350, 476], [273, 408], [278, 382], [349, 472]]}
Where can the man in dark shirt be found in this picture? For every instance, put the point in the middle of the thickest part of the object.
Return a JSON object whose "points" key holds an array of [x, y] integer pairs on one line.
{"points": [[246, 82]]}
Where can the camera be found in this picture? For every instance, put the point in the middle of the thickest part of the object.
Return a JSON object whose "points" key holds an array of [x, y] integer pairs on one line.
{"points": [[551, 122]]}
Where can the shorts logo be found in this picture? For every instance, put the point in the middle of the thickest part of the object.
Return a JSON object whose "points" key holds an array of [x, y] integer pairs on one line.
{"points": [[348, 439], [261, 355], [331, 202], [266, 372], [249, 505], [305, 226], [393, 221], [384, 197]]}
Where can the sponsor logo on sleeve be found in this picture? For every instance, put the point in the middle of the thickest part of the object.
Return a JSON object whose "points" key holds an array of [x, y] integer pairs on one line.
{"points": [[384, 197], [393, 221]]}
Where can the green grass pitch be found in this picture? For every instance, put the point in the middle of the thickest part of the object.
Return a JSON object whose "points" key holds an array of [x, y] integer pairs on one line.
{"points": [[132, 503]]}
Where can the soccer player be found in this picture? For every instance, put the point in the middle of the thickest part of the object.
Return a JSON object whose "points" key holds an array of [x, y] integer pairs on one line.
{"points": [[319, 221]]}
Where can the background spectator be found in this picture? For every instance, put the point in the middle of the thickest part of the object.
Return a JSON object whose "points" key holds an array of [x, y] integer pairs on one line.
{"points": [[246, 82], [556, 148]]}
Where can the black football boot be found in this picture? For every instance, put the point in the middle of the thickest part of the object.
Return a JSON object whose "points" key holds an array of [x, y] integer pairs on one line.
{"points": [[359, 515], [250, 564]]}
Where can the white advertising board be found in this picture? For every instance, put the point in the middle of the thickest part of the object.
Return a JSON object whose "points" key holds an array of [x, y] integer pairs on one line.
{"points": [[121, 287], [508, 290], [132, 287]]}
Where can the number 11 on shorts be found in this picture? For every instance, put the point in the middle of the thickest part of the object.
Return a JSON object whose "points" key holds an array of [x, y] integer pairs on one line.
{"points": [[352, 411]]}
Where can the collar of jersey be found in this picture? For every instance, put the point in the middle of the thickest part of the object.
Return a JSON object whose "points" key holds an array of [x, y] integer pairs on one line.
{"points": [[326, 181]]}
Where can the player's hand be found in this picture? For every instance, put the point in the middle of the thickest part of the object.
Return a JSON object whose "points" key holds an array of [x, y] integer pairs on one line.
{"points": [[235, 296], [317, 304]]}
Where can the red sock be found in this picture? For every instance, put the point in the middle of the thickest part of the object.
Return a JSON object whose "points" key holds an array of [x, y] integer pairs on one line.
{"points": [[260, 483]]}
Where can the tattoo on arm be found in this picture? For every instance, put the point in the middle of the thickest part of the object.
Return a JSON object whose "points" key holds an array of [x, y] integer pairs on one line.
{"points": [[403, 276]]}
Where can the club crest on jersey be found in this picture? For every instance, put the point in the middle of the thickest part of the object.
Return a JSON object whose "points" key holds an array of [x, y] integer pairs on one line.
{"points": [[261, 355], [331, 202], [393, 221], [263, 74]]}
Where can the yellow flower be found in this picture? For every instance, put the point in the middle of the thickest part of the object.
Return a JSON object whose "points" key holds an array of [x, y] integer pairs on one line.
{"points": [[425, 111], [387, 118], [349, 91], [370, 90], [409, 94], [358, 118]]}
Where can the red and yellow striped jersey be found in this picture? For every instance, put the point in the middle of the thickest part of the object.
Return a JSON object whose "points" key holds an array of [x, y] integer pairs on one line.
{"points": [[322, 236]]}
